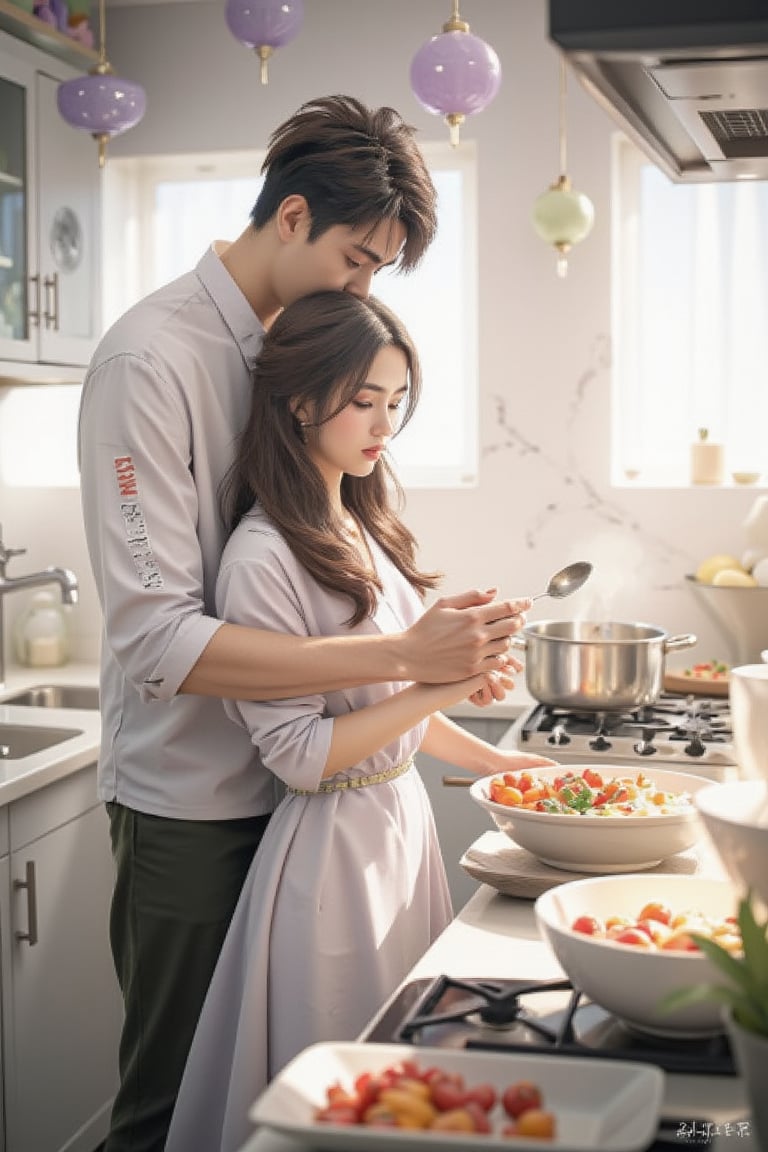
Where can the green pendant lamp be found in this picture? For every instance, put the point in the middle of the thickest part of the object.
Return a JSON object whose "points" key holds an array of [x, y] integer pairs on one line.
{"points": [[562, 216]]}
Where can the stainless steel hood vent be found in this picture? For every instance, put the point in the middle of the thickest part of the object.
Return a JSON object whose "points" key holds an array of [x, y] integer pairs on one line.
{"points": [[687, 80]]}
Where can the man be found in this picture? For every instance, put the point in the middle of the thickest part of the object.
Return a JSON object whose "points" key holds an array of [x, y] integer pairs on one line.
{"points": [[346, 192]]}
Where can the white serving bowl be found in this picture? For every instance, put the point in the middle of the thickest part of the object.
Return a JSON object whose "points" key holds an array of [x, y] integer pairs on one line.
{"points": [[624, 979], [599, 843], [735, 816], [741, 615]]}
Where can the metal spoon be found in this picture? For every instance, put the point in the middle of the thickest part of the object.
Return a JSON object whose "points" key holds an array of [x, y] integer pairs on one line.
{"points": [[567, 580]]}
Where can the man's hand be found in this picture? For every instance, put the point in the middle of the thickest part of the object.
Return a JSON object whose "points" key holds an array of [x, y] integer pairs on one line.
{"points": [[462, 636]]}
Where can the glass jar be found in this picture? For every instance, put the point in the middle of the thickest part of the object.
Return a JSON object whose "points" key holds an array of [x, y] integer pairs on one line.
{"points": [[42, 633]]}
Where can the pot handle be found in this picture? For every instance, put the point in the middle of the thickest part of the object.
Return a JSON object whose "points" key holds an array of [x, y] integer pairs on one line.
{"points": [[675, 643], [518, 642]]}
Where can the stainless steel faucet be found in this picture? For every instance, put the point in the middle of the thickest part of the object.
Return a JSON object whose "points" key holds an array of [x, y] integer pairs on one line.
{"points": [[66, 580]]}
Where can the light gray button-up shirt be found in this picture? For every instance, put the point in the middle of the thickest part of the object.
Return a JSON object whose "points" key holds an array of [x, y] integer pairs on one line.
{"points": [[164, 399]]}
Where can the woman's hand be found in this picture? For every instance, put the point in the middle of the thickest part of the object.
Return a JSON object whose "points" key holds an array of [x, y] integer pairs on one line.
{"points": [[497, 684]]}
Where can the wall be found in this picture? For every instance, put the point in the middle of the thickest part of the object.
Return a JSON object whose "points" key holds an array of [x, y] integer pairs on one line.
{"points": [[544, 495]]}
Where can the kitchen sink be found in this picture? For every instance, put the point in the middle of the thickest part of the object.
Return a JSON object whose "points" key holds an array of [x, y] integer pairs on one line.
{"points": [[57, 696], [20, 740]]}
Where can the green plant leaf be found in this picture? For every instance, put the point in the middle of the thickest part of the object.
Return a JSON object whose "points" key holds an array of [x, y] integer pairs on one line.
{"points": [[734, 968], [745, 989], [751, 1017], [697, 994], [754, 938]]}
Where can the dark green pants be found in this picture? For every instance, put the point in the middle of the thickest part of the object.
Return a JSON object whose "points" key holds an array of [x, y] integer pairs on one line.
{"points": [[177, 885]]}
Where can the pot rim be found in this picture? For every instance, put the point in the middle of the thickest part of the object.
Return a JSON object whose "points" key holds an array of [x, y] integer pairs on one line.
{"points": [[657, 632]]}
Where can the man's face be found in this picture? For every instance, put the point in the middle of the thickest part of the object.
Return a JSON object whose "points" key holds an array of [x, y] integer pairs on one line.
{"points": [[342, 258]]}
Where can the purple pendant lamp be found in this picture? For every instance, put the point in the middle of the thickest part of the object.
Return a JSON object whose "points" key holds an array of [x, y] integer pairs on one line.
{"points": [[101, 103], [264, 25], [455, 74]]}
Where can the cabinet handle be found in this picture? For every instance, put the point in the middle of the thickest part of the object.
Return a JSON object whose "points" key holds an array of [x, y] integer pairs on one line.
{"points": [[31, 887], [34, 312], [51, 286]]}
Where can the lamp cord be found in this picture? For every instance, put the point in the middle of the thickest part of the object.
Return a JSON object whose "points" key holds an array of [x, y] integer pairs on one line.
{"points": [[563, 158], [102, 32]]}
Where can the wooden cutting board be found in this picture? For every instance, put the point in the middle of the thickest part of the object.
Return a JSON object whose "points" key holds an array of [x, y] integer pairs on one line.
{"points": [[502, 864], [677, 681]]}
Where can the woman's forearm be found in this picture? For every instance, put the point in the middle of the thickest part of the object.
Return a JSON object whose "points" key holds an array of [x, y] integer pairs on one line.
{"points": [[446, 740], [359, 734]]}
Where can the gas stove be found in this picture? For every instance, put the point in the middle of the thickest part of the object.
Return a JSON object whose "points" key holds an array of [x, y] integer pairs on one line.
{"points": [[533, 1015], [685, 733]]}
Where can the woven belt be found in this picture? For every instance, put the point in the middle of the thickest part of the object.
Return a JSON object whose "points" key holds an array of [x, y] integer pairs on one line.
{"points": [[355, 781]]}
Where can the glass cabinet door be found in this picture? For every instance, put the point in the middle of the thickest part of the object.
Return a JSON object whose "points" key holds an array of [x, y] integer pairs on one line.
{"points": [[14, 257]]}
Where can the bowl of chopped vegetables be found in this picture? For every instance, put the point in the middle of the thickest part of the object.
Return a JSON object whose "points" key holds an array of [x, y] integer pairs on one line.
{"points": [[584, 820], [628, 942]]}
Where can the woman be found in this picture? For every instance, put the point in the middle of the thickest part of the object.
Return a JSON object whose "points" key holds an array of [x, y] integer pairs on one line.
{"points": [[348, 888]]}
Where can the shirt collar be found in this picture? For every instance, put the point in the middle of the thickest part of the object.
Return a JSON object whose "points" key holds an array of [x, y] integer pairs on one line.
{"points": [[234, 309]]}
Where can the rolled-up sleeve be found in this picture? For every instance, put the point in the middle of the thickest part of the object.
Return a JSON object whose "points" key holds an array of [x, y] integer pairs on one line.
{"points": [[293, 736], [142, 519]]}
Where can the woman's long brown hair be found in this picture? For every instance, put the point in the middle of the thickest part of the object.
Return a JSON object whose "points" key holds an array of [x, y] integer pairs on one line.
{"points": [[317, 355]]}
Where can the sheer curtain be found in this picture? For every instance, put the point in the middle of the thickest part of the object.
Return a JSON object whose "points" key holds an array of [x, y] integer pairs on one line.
{"points": [[690, 316]]}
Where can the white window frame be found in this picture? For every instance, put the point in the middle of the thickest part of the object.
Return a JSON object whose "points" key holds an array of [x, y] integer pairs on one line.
{"points": [[443, 319], [700, 384]]}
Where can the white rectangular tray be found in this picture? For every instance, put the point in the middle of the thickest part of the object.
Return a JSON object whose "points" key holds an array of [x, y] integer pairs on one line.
{"points": [[599, 1104]]}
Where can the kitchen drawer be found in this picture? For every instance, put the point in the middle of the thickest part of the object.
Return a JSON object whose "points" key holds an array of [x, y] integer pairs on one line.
{"points": [[40, 812]]}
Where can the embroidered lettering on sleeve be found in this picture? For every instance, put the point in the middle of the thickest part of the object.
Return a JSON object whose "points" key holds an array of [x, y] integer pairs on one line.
{"points": [[136, 534]]}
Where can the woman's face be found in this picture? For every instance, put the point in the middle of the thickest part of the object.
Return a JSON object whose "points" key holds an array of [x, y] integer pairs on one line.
{"points": [[352, 441]]}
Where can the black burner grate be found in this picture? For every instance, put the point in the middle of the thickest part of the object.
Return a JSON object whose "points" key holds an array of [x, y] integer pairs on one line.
{"points": [[502, 1015]]}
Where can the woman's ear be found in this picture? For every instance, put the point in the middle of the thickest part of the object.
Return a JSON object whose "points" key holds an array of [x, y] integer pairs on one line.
{"points": [[298, 412]]}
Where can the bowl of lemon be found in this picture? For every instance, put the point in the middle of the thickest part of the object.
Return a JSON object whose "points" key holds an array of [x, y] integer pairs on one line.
{"points": [[734, 593]]}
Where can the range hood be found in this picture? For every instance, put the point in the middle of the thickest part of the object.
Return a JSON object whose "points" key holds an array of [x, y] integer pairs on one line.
{"points": [[687, 80]]}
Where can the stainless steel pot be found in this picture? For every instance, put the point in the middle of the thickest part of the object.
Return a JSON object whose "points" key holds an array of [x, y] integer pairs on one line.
{"points": [[591, 666]]}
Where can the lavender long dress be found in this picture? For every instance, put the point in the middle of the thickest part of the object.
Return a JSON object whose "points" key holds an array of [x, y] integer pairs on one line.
{"points": [[347, 889]]}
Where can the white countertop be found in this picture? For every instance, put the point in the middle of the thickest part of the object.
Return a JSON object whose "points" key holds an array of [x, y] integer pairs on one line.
{"points": [[498, 936], [22, 776], [492, 932]]}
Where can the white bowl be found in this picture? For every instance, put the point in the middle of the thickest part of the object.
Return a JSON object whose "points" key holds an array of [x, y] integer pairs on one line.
{"points": [[741, 615], [599, 843], [624, 979], [735, 816]]}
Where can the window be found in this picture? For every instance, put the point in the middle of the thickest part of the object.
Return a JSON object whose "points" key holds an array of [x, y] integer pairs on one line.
{"points": [[168, 209], [690, 295]]}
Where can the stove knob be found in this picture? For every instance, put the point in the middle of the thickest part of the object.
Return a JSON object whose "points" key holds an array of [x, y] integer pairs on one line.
{"points": [[599, 744], [645, 748], [696, 747], [559, 736]]}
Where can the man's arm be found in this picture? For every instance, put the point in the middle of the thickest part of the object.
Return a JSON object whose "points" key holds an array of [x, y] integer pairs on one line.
{"points": [[458, 637]]}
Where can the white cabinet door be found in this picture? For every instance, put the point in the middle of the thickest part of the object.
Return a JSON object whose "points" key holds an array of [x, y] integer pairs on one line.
{"points": [[18, 222], [62, 1045], [50, 204], [69, 182], [5, 967]]}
